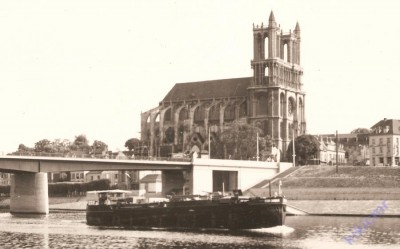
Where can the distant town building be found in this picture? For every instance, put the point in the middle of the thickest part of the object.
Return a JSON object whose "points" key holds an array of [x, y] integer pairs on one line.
{"points": [[151, 183], [355, 145], [272, 99], [328, 151], [78, 176], [384, 143], [113, 176], [5, 179]]}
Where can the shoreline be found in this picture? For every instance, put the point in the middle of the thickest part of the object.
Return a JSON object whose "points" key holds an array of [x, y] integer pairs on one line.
{"points": [[351, 208]]}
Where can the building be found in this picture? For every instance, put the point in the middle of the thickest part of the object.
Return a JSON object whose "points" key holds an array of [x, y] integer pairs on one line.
{"points": [[151, 183], [271, 99], [5, 179], [98, 175], [328, 151], [355, 145], [78, 176], [384, 143]]}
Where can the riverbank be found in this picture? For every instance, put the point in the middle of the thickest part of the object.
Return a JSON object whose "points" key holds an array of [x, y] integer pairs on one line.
{"points": [[56, 203], [346, 207], [315, 182]]}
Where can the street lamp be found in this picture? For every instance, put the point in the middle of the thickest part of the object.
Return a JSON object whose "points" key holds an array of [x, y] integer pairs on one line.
{"points": [[294, 153], [258, 151]]}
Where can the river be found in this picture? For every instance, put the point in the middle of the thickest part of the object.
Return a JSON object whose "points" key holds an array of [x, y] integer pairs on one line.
{"points": [[69, 230]]}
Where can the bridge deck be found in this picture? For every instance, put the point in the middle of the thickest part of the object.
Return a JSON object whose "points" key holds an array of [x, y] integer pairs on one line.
{"points": [[15, 164]]}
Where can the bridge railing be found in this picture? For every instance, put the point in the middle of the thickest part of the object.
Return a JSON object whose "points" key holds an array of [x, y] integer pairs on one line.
{"points": [[92, 156]]}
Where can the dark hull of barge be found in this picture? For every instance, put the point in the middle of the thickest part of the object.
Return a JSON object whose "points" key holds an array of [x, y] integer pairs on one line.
{"points": [[197, 214]]}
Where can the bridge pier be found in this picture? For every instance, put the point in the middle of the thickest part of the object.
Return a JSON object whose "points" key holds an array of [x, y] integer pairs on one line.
{"points": [[29, 193]]}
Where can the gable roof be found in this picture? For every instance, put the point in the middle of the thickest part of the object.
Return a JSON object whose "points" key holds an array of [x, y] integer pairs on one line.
{"points": [[386, 127], [223, 88], [151, 178]]}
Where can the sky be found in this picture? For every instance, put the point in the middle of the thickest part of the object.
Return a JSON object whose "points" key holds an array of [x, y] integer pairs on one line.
{"points": [[92, 66]]}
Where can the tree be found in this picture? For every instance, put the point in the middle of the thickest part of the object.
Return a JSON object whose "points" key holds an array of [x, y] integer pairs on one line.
{"points": [[99, 147], [60, 146], [132, 143], [217, 148], [80, 143], [361, 131], [23, 148], [240, 141], [43, 146], [265, 143], [306, 147]]}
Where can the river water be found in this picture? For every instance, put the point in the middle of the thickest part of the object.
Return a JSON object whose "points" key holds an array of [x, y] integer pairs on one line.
{"points": [[69, 230]]}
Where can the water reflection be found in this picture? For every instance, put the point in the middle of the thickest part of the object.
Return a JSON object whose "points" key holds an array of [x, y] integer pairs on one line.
{"points": [[69, 230]]}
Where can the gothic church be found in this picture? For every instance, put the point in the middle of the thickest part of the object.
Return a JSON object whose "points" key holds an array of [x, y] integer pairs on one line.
{"points": [[272, 99]]}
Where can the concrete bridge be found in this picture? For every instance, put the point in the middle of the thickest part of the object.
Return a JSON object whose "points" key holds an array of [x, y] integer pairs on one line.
{"points": [[29, 183]]}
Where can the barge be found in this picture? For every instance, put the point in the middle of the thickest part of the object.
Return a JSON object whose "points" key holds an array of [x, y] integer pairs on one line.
{"points": [[213, 211]]}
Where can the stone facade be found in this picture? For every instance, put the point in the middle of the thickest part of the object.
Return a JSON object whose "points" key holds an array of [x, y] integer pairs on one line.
{"points": [[328, 149], [272, 99], [384, 143]]}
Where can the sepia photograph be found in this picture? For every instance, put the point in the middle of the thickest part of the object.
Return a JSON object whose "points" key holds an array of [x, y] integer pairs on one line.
{"points": [[262, 124]]}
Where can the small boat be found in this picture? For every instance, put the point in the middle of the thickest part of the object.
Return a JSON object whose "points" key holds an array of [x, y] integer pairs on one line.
{"points": [[213, 211]]}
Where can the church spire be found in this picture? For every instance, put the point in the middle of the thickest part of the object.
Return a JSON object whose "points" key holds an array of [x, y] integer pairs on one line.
{"points": [[297, 29], [271, 20], [271, 17]]}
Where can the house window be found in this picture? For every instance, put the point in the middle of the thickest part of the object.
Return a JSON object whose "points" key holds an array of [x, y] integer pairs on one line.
{"points": [[98, 177], [373, 141], [380, 140], [373, 150], [91, 178]]}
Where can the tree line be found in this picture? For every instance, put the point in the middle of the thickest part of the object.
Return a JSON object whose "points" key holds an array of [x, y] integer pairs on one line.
{"points": [[64, 146]]}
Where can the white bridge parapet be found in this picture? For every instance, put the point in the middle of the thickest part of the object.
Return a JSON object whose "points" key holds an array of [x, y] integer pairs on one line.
{"points": [[249, 173]]}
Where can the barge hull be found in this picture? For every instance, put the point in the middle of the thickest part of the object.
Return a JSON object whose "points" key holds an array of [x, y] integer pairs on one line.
{"points": [[191, 215]]}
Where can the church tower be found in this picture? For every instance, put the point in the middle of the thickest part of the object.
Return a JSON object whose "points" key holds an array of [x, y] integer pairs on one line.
{"points": [[276, 100]]}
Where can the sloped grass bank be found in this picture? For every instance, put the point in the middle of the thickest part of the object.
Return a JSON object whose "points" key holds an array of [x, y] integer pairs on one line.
{"points": [[350, 183], [332, 193], [347, 177]]}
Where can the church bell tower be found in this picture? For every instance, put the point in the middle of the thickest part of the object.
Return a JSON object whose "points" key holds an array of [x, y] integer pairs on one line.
{"points": [[276, 100]]}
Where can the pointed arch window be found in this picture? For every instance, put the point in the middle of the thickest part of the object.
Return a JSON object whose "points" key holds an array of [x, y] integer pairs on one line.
{"points": [[229, 113], [214, 113], [167, 115], [183, 114], [199, 114]]}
